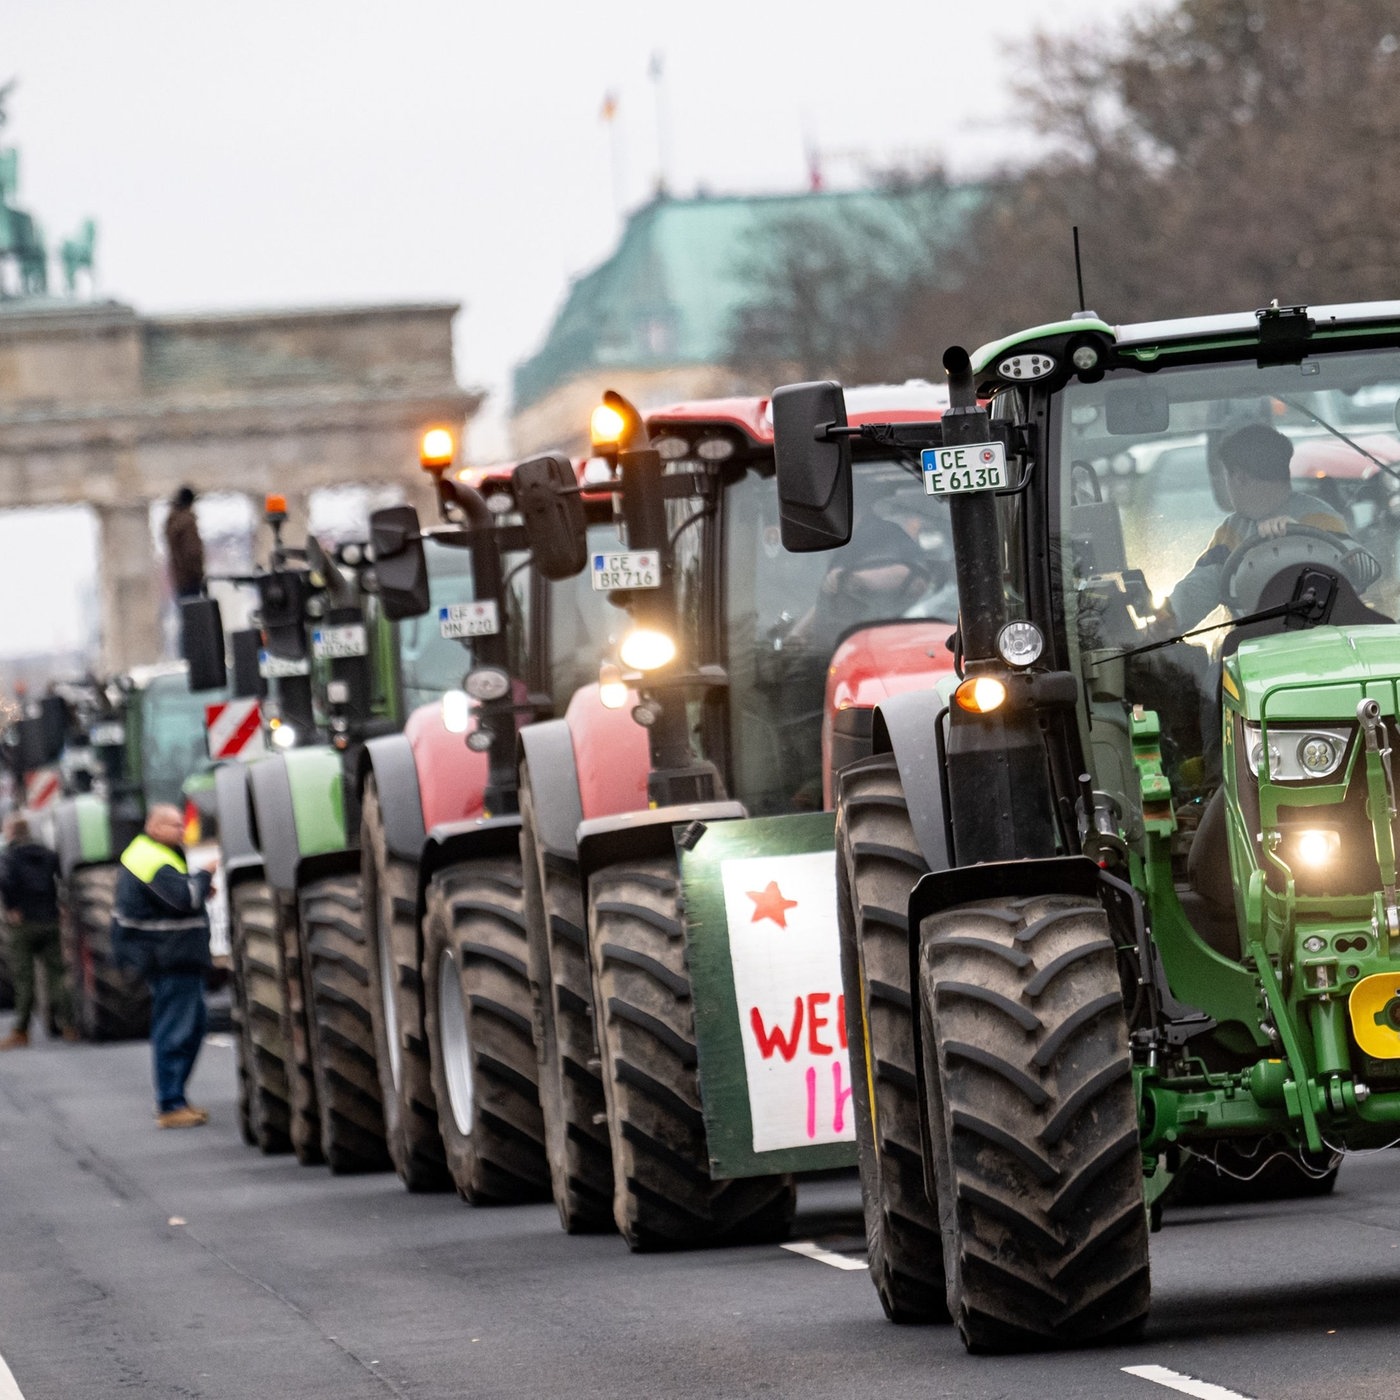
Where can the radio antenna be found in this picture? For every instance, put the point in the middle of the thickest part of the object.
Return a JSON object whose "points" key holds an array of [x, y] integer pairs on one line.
{"points": [[1078, 268]]}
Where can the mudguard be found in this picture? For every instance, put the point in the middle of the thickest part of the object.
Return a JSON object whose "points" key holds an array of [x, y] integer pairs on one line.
{"points": [[612, 755], [239, 855], [299, 811], [548, 749], [451, 777], [908, 726], [453, 842], [643, 834], [82, 832], [389, 759]]}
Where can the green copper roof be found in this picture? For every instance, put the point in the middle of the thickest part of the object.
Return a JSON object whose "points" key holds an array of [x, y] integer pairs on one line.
{"points": [[670, 293]]}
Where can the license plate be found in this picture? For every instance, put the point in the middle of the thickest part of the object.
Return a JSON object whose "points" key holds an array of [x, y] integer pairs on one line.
{"points": [[276, 668], [108, 736], [334, 643], [633, 568], [978, 466], [469, 619]]}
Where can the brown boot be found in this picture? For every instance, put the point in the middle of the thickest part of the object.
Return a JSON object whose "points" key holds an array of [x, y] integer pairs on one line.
{"points": [[71, 1035], [182, 1118], [16, 1040]]}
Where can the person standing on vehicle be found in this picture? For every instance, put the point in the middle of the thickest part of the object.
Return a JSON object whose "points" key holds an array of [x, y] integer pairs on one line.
{"points": [[29, 888], [160, 928], [183, 546]]}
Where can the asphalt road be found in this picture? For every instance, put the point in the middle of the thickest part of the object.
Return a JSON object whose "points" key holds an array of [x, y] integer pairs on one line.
{"points": [[134, 1261]]}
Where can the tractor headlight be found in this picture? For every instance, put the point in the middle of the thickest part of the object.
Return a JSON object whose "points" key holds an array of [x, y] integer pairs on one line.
{"points": [[980, 695], [1314, 847], [612, 689], [283, 735], [456, 711], [645, 649], [1020, 643], [1296, 755], [487, 683]]}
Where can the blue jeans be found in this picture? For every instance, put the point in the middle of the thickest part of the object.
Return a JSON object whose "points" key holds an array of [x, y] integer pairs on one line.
{"points": [[178, 1019]]}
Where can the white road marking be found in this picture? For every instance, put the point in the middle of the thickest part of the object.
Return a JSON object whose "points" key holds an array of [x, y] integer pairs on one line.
{"points": [[810, 1250], [1187, 1385], [9, 1390]]}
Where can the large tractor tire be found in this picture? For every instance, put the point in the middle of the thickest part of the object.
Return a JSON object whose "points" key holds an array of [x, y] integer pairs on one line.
{"points": [[878, 863], [394, 960], [255, 937], [571, 1087], [242, 1050], [1033, 1124], [347, 1082], [304, 1127], [663, 1194], [480, 1033], [109, 1003]]}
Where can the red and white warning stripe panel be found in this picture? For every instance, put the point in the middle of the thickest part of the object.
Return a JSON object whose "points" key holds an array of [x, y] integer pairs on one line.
{"points": [[41, 787], [234, 729]]}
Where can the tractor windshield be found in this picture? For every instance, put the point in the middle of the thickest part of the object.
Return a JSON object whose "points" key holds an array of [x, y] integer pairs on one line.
{"points": [[172, 737], [785, 614], [431, 663], [1184, 493]]}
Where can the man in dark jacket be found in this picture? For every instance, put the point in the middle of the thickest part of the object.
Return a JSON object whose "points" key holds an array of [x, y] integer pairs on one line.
{"points": [[184, 547], [29, 888], [160, 928]]}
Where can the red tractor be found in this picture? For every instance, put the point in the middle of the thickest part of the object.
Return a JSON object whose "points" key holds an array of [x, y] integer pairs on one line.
{"points": [[743, 677]]}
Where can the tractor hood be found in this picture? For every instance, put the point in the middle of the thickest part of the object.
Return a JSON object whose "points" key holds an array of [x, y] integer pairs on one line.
{"points": [[1319, 674], [886, 660]]}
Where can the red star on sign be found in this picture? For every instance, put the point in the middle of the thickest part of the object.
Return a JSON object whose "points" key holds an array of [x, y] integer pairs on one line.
{"points": [[768, 903]]}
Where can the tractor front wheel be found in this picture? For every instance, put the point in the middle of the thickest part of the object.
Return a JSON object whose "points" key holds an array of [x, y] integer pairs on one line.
{"points": [[663, 1195], [109, 1003], [254, 936], [571, 1091], [878, 863], [485, 1074], [304, 1126], [394, 958], [347, 1082], [1033, 1123]]}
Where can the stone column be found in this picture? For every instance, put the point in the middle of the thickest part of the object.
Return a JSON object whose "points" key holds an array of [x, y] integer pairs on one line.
{"points": [[132, 587]]}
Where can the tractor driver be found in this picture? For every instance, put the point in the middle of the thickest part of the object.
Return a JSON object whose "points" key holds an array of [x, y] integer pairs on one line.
{"points": [[1256, 461]]}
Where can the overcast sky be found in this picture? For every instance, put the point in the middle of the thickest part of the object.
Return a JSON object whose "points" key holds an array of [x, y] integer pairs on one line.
{"points": [[314, 152]]}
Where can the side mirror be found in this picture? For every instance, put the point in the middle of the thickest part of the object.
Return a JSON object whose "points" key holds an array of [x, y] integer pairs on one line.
{"points": [[400, 565], [548, 498], [814, 472], [282, 598], [202, 643]]}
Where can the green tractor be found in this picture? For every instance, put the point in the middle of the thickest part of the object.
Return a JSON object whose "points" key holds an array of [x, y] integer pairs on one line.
{"points": [[1120, 906], [144, 743]]}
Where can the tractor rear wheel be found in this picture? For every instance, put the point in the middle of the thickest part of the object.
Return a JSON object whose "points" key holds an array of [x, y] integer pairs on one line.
{"points": [[394, 961], [304, 1127], [257, 954], [878, 863], [109, 1003], [485, 1074], [663, 1194], [1033, 1123], [347, 1082], [571, 1090]]}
